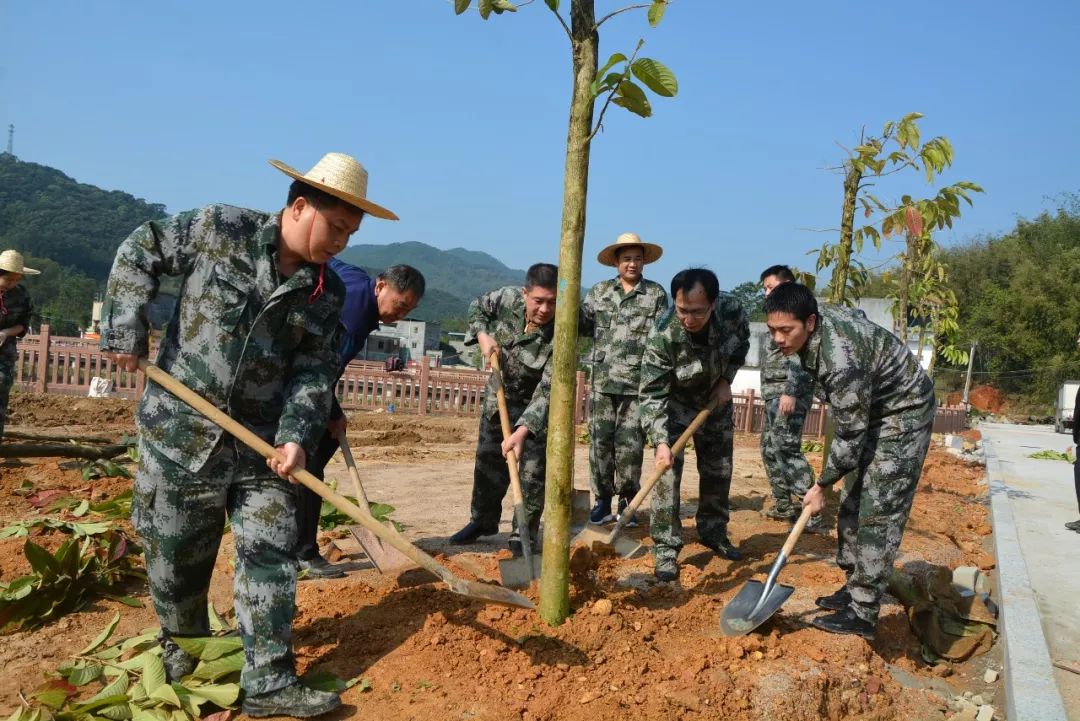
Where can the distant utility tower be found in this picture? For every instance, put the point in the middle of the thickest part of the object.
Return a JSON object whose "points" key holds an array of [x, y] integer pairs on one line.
{"points": [[11, 139]]}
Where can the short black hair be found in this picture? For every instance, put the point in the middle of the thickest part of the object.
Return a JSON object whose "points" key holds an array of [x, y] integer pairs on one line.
{"points": [[404, 279], [544, 275], [782, 272], [319, 198], [685, 280], [792, 298]]}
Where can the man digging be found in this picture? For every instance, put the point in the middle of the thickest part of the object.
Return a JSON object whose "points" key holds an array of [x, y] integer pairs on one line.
{"points": [[692, 355], [618, 315], [15, 311], [788, 392], [883, 406], [517, 323], [255, 332]]}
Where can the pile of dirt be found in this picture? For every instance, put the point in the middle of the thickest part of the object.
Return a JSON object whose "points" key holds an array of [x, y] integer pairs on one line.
{"points": [[44, 410], [987, 399], [384, 429]]}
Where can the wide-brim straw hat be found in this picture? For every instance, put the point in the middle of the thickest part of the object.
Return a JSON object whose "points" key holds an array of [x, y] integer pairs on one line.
{"points": [[12, 261], [342, 176], [651, 250]]}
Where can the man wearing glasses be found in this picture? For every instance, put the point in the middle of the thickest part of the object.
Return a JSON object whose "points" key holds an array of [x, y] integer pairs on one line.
{"points": [[691, 357], [618, 315]]}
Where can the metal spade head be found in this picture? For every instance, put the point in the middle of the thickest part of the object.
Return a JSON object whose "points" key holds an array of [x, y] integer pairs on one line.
{"points": [[739, 617]]}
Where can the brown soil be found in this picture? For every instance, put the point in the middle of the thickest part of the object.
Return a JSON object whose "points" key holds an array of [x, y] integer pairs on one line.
{"points": [[631, 648], [987, 399]]}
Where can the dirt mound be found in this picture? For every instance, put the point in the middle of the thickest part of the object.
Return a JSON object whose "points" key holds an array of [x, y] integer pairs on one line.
{"points": [[987, 399], [44, 410], [382, 429]]}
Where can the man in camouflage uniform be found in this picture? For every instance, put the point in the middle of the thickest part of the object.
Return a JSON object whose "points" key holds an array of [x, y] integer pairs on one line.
{"points": [[517, 323], [254, 332], [690, 358], [618, 315], [883, 406], [15, 310], [788, 393]]}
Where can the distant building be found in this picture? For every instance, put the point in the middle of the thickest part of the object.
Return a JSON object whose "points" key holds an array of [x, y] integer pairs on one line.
{"points": [[408, 339]]}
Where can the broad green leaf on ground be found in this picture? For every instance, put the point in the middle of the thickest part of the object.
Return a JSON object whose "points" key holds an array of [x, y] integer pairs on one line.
{"points": [[101, 637], [223, 695], [153, 676], [53, 693], [213, 670]]}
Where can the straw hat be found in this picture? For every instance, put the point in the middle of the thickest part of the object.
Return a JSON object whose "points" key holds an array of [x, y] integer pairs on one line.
{"points": [[341, 176], [12, 261], [652, 251]]}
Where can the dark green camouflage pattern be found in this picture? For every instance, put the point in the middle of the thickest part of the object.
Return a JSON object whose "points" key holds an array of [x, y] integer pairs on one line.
{"points": [[677, 379], [491, 477], [784, 375], [15, 309], [616, 445], [781, 451]]}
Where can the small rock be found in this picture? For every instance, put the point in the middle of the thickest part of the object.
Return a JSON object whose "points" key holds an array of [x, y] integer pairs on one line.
{"points": [[977, 699], [591, 696], [990, 676], [602, 607], [968, 713], [968, 695], [942, 670], [758, 655], [986, 713], [873, 685]]}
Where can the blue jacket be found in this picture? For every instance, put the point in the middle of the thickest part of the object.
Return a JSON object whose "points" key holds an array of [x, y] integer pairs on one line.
{"points": [[359, 316]]}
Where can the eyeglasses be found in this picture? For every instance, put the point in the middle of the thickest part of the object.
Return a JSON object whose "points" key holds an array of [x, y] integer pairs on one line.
{"points": [[695, 314]]}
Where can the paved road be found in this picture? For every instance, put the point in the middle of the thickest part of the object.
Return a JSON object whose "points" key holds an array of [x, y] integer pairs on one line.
{"points": [[1042, 500]]}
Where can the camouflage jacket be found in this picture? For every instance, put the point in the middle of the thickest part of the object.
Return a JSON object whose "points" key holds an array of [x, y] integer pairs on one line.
{"points": [[15, 309], [619, 324], [260, 347], [784, 376], [678, 373], [871, 381], [525, 358]]}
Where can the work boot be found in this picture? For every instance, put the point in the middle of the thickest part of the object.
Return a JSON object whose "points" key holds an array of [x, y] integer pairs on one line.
{"points": [[630, 522], [470, 533], [601, 511], [817, 525], [516, 546], [1073, 526], [295, 700], [178, 662], [782, 510], [723, 547], [845, 621], [666, 570], [318, 568], [837, 601]]}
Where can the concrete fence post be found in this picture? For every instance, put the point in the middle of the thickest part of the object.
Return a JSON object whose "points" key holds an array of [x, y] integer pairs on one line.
{"points": [[425, 376], [42, 385]]}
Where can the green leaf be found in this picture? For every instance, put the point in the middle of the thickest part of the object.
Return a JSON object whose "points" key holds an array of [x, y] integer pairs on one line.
{"points": [[192, 645], [656, 12], [500, 6], [213, 670], [485, 8], [219, 646], [223, 695], [166, 694], [85, 674], [41, 561], [632, 97], [656, 76], [324, 681], [461, 6], [93, 704], [364, 685], [101, 637], [553, 5], [153, 673], [615, 58], [81, 509], [54, 693], [119, 687], [119, 712]]}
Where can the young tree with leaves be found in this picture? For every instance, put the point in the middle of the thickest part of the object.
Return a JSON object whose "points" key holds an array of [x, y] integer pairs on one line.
{"points": [[616, 83]]}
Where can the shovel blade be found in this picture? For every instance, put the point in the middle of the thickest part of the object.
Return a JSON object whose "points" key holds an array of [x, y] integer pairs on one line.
{"points": [[515, 572], [580, 506], [736, 619], [490, 593], [382, 555], [592, 538]]}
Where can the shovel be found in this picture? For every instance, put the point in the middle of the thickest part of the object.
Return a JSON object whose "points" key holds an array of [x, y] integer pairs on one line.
{"points": [[514, 572], [756, 602], [473, 589], [382, 555], [629, 547]]}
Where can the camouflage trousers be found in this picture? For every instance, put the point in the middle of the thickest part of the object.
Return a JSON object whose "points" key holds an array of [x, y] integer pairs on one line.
{"points": [[180, 517], [7, 379], [781, 451], [874, 510], [491, 477], [714, 445], [616, 445]]}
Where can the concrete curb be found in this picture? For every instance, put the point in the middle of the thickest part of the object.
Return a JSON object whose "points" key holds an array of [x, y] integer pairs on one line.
{"points": [[1031, 694]]}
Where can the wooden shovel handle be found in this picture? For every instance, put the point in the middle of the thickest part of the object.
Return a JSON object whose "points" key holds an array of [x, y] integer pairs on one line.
{"points": [[350, 463], [300, 475], [796, 531], [504, 421]]}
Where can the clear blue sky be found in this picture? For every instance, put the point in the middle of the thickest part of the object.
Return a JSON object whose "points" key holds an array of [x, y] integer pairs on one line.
{"points": [[462, 123]]}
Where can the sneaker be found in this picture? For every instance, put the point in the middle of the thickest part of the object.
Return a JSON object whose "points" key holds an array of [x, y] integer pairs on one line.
{"points": [[295, 700], [1073, 526], [178, 662], [630, 522], [837, 601], [782, 511], [601, 511], [724, 547], [319, 568], [470, 533], [845, 621], [666, 570], [817, 525]]}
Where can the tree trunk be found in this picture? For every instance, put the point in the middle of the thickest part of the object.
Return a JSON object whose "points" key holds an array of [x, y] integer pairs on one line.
{"points": [[842, 269], [555, 579], [933, 342], [903, 300]]}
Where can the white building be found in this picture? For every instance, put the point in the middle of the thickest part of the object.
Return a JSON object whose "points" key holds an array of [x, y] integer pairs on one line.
{"points": [[408, 339]]}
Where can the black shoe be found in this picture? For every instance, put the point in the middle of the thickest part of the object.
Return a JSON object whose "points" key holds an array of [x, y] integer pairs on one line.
{"points": [[724, 547], [631, 522], [178, 662], [666, 570], [601, 511], [782, 511], [845, 621], [296, 700], [837, 601], [516, 547], [1073, 526], [471, 532], [319, 568]]}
